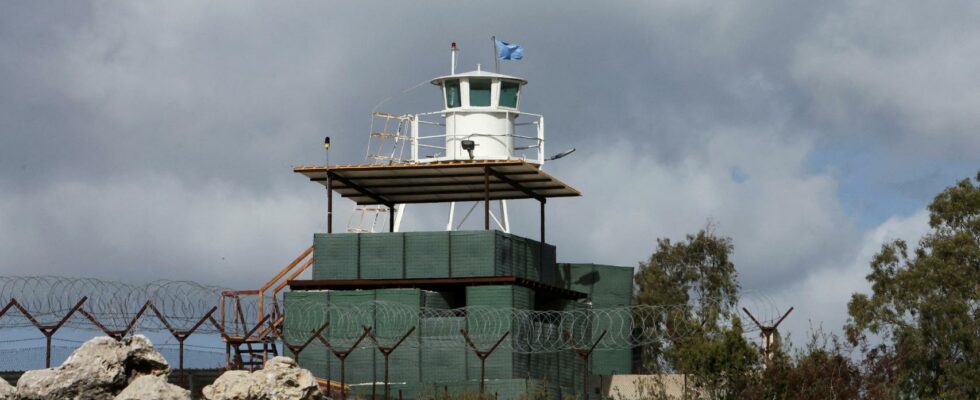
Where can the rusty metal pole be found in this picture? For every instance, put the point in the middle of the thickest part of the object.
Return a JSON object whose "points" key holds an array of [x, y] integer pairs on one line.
{"points": [[483, 378], [387, 381], [584, 353], [486, 198], [542, 219], [386, 352], [482, 355], [47, 330], [296, 349], [329, 202], [342, 355], [343, 377], [47, 353], [541, 245]]}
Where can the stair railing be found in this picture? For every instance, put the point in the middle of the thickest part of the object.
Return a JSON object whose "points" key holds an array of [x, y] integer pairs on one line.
{"points": [[273, 286]]}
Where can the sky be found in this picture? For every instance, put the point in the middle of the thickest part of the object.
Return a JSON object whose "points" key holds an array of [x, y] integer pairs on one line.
{"points": [[155, 140]]}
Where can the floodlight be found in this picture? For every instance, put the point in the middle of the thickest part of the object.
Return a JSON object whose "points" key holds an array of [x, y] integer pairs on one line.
{"points": [[468, 145]]}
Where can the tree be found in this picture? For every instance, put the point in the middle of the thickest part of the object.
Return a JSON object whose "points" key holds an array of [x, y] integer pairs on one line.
{"points": [[921, 324], [822, 369], [695, 284]]}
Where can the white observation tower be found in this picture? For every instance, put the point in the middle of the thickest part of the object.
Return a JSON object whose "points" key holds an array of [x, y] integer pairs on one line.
{"points": [[480, 117], [479, 148]]}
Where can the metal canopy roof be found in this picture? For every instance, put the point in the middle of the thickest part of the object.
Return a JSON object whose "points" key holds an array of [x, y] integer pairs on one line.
{"points": [[439, 182]]}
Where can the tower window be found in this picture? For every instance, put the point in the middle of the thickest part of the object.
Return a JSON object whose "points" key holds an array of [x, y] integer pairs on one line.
{"points": [[479, 92], [508, 93], [452, 93]]}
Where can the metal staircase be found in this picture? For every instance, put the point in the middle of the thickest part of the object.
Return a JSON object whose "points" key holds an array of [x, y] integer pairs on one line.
{"points": [[250, 329]]}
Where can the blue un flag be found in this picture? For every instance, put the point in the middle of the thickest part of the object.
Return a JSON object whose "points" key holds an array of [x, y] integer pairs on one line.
{"points": [[509, 51]]}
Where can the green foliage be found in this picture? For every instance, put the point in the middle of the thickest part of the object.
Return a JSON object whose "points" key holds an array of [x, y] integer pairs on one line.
{"points": [[822, 369], [721, 366], [704, 337], [920, 326], [689, 272]]}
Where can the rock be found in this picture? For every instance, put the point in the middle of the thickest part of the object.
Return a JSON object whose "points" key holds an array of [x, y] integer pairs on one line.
{"points": [[280, 379], [153, 387], [6, 390], [235, 385], [285, 380], [99, 369]]}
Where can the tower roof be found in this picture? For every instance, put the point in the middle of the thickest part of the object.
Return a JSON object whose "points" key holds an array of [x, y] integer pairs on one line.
{"points": [[439, 182], [477, 74]]}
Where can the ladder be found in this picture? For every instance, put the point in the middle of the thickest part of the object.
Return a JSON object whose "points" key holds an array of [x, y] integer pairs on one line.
{"points": [[388, 136]]}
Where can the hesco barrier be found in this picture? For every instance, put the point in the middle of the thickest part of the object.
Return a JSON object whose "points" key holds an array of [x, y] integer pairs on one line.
{"points": [[501, 364], [427, 356], [607, 286], [503, 389], [426, 254], [360, 364], [448, 364], [336, 256], [433, 255], [298, 328], [435, 356], [404, 364]]}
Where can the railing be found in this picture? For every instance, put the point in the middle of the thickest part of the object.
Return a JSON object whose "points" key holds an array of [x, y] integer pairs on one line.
{"points": [[270, 290], [432, 146]]}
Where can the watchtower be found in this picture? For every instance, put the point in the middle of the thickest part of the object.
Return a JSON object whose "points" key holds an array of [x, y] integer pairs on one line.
{"points": [[480, 148]]}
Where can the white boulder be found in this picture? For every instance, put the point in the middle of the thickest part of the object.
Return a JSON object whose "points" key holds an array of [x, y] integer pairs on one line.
{"points": [[280, 379], [153, 387], [99, 369], [6, 390]]}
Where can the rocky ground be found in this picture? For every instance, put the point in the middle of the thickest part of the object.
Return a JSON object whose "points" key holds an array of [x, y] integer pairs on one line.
{"points": [[130, 369]]}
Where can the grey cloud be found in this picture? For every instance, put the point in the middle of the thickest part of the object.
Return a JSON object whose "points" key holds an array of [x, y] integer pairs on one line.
{"points": [[158, 137]]}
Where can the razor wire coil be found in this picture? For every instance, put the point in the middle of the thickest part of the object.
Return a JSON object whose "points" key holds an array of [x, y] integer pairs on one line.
{"points": [[183, 303]]}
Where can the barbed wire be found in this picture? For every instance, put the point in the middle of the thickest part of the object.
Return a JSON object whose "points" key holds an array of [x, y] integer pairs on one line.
{"points": [[183, 303], [531, 331], [49, 298]]}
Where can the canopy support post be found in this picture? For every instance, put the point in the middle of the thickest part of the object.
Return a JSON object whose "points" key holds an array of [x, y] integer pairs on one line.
{"points": [[486, 198], [329, 203], [391, 218]]}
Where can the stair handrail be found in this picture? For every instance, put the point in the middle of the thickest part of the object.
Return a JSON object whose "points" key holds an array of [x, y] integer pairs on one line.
{"points": [[277, 283], [282, 273]]}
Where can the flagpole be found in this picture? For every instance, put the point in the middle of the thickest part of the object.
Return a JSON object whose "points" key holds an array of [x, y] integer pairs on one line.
{"points": [[496, 58]]}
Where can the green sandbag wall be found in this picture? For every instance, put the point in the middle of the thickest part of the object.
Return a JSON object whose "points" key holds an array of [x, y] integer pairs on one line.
{"points": [[448, 362], [426, 254], [472, 253], [607, 286], [404, 361], [382, 256], [299, 326], [336, 256], [501, 389], [342, 332], [433, 255], [504, 363]]}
